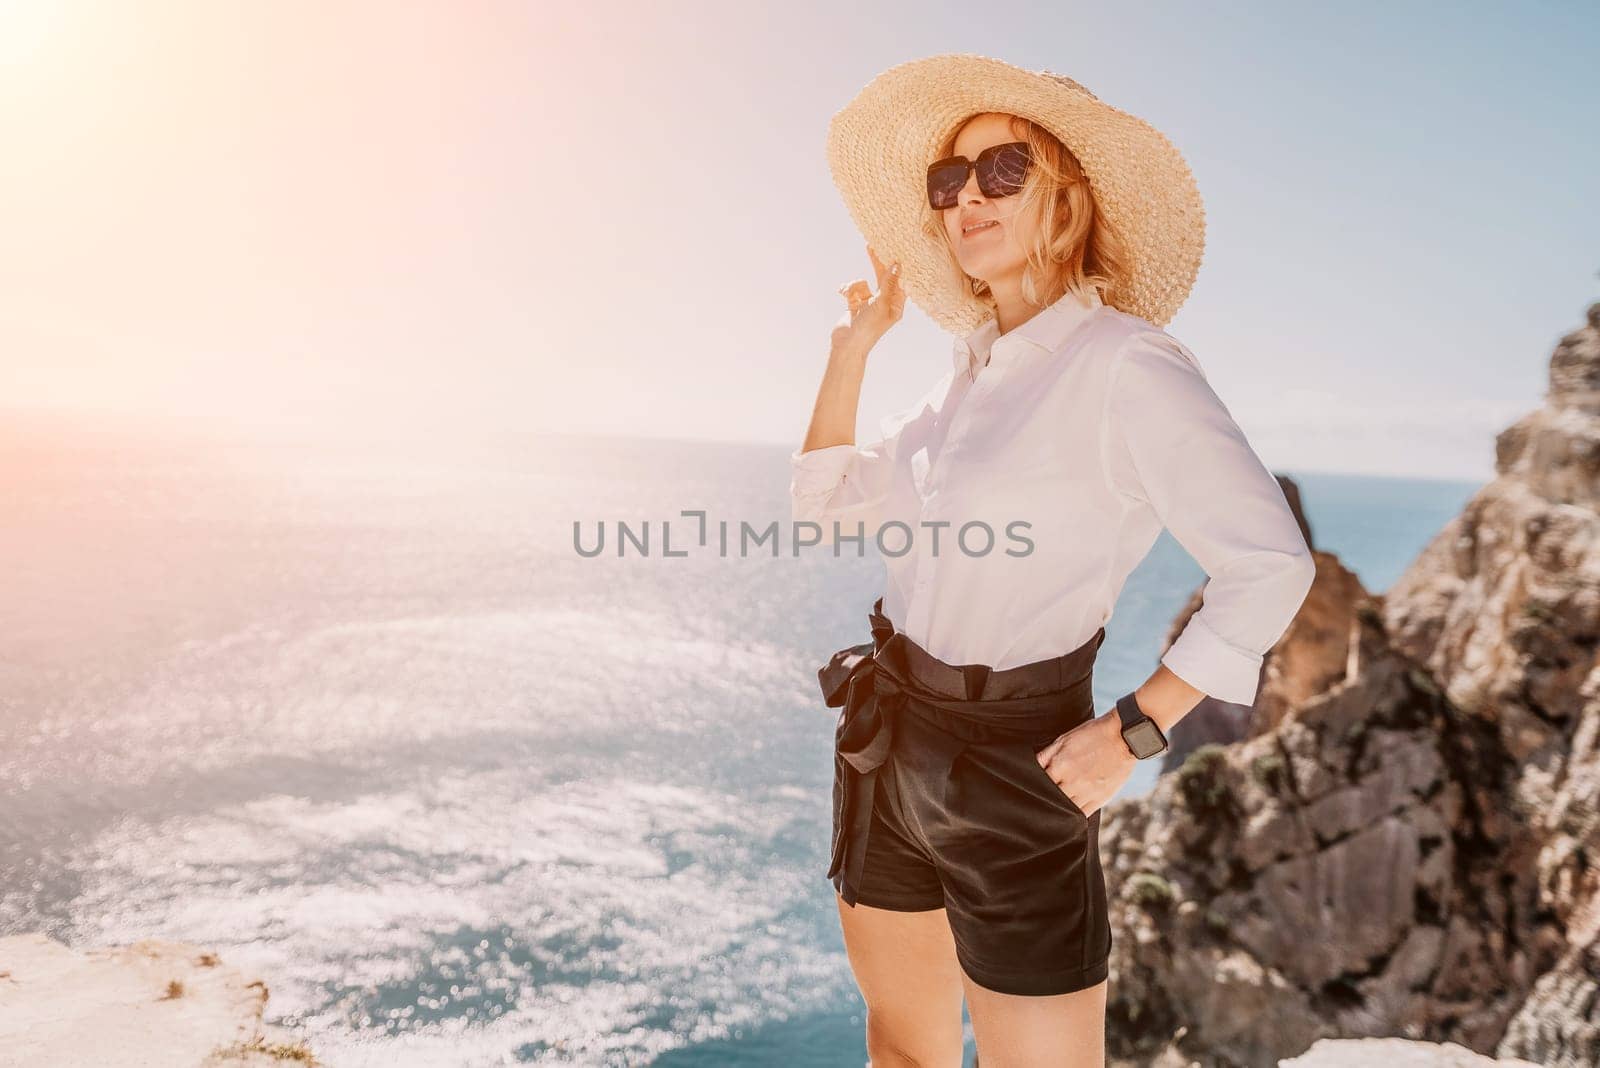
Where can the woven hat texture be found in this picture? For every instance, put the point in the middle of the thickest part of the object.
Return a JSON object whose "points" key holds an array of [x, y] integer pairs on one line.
{"points": [[880, 145]]}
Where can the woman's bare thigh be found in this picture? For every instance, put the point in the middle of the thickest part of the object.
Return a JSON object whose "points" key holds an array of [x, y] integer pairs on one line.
{"points": [[905, 964], [1055, 1031]]}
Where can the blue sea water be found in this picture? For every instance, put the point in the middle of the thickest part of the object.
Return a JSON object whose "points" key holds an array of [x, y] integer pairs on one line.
{"points": [[361, 719]]}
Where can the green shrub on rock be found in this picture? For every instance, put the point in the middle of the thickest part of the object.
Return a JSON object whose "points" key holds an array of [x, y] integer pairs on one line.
{"points": [[1150, 891], [1203, 781], [1268, 769]]}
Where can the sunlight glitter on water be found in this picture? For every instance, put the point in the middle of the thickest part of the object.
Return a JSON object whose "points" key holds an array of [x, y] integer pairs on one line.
{"points": [[600, 915]]}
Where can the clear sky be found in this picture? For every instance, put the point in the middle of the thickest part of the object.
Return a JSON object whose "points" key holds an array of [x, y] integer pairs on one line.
{"points": [[444, 218]]}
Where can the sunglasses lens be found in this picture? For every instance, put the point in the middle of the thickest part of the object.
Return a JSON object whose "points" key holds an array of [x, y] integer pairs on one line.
{"points": [[1002, 174], [945, 181]]}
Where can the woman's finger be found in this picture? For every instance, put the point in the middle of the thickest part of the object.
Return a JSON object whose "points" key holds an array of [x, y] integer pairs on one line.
{"points": [[888, 273], [877, 264]]}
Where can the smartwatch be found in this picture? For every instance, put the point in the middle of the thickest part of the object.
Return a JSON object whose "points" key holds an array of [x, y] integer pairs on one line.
{"points": [[1141, 733]]}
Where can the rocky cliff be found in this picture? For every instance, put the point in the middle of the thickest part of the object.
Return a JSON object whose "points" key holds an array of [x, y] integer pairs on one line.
{"points": [[153, 1004], [1400, 842]]}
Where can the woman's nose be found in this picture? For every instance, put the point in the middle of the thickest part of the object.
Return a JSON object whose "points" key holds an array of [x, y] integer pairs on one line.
{"points": [[970, 191]]}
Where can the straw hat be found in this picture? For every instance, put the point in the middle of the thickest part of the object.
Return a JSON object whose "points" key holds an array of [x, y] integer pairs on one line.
{"points": [[880, 145]]}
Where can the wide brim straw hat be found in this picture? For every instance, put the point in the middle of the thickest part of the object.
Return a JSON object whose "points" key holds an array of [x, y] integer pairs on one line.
{"points": [[880, 145]]}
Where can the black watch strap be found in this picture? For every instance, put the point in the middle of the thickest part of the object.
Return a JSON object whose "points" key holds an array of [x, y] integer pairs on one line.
{"points": [[1142, 734]]}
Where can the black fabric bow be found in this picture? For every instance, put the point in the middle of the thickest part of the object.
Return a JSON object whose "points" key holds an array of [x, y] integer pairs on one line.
{"points": [[872, 697]]}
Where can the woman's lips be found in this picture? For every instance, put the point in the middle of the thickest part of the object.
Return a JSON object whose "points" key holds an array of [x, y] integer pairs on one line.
{"points": [[993, 227]]}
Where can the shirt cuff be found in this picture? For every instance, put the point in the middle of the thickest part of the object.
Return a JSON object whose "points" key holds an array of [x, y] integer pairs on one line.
{"points": [[817, 472], [1205, 661]]}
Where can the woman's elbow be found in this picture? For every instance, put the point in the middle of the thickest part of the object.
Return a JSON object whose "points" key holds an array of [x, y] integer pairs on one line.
{"points": [[1302, 574]]}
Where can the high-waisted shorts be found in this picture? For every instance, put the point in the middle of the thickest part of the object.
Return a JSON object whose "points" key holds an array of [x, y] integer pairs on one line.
{"points": [[964, 818]]}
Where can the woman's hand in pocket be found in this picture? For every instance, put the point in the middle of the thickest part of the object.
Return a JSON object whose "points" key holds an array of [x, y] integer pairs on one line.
{"points": [[1090, 762]]}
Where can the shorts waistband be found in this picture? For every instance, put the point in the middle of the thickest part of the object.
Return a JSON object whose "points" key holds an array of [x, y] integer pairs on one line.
{"points": [[981, 682]]}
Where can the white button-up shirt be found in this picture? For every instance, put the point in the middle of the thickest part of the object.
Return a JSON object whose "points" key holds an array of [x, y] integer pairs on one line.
{"points": [[1096, 429]]}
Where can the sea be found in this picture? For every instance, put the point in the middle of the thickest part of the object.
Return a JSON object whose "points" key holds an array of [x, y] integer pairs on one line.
{"points": [[360, 717]]}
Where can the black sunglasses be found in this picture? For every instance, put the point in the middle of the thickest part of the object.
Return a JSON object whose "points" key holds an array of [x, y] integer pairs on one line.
{"points": [[1001, 169]]}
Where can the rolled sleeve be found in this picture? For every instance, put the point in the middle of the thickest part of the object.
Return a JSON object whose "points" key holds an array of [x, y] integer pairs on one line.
{"points": [[852, 484], [1168, 441], [844, 483]]}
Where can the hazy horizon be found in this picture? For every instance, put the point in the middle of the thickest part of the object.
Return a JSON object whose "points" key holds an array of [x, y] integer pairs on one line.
{"points": [[199, 430]]}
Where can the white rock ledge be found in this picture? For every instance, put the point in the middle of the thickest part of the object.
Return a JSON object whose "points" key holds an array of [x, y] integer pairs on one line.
{"points": [[116, 1008], [1394, 1053]]}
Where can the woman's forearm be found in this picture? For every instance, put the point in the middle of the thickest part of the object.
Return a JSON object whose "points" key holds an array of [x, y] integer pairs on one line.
{"points": [[1166, 698], [833, 418]]}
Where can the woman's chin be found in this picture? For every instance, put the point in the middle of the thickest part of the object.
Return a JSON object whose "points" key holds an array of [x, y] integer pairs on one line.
{"points": [[986, 269], [979, 267]]}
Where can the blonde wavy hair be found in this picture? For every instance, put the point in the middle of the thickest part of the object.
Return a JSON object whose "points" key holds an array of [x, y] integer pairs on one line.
{"points": [[1075, 246]]}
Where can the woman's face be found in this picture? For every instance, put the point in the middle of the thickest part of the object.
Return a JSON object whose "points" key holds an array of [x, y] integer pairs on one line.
{"points": [[994, 252]]}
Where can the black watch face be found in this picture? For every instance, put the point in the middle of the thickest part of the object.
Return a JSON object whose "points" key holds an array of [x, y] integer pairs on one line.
{"points": [[1144, 738]]}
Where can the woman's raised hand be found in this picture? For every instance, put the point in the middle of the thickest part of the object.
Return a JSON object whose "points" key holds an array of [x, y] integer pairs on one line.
{"points": [[871, 314]]}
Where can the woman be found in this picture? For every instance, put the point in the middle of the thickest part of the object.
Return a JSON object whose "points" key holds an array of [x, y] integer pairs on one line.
{"points": [[1053, 235]]}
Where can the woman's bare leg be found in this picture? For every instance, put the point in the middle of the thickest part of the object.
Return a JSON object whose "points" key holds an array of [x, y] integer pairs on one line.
{"points": [[905, 964], [1057, 1031]]}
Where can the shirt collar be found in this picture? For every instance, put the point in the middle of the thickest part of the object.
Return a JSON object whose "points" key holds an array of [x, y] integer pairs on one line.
{"points": [[1046, 331]]}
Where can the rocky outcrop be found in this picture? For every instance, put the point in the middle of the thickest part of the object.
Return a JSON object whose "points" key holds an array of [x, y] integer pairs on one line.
{"points": [[151, 1003], [1349, 872], [1402, 843], [1503, 607]]}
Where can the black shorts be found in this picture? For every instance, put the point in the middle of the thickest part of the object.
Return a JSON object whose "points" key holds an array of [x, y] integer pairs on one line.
{"points": [[965, 819]]}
